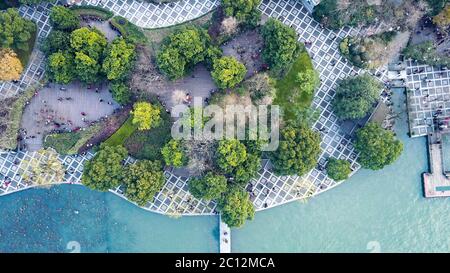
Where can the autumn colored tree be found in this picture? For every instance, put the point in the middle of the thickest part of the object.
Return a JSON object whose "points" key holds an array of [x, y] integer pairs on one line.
{"points": [[10, 65]]}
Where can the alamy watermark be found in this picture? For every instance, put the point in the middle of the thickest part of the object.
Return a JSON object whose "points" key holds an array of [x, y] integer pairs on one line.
{"points": [[250, 122]]}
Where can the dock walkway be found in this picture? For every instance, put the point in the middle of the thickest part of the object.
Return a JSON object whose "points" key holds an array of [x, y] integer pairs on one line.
{"points": [[225, 237], [436, 183]]}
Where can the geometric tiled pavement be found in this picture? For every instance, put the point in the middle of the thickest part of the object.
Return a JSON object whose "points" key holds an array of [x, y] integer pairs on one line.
{"points": [[428, 91], [268, 190]]}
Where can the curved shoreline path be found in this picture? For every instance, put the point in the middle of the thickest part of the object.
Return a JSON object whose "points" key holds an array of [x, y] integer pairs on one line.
{"points": [[149, 15], [269, 190]]}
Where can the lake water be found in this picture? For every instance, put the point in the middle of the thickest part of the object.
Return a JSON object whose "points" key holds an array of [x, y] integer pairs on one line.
{"points": [[372, 211]]}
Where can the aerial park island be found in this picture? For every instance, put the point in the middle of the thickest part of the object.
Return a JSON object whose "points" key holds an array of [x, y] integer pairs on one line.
{"points": [[95, 93]]}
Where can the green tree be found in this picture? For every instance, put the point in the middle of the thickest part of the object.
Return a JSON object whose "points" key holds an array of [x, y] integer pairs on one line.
{"points": [[143, 181], [171, 63], [105, 170], [146, 115], [228, 72], [338, 169], [174, 154], [298, 151], [120, 93], [230, 154], [236, 207], [426, 53], [56, 41], [119, 59], [356, 96], [181, 50], [15, 31], [208, 187], [377, 147], [90, 42], [308, 81], [62, 18], [60, 67], [212, 53], [86, 68], [281, 46], [248, 169], [243, 10]]}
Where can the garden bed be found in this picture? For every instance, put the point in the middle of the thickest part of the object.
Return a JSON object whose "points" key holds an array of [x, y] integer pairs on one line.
{"points": [[92, 11], [128, 30], [148, 144], [11, 117], [69, 143]]}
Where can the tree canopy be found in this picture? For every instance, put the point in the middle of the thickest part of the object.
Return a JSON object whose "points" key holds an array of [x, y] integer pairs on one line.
{"points": [[105, 170], [298, 151], [60, 67], [377, 147], [119, 58], [208, 187], [15, 31], [143, 180], [230, 154], [243, 10], [236, 207], [338, 169], [174, 153], [62, 18], [181, 50], [56, 41], [120, 93], [281, 46], [228, 72], [146, 115], [356, 96], [10, 66]]}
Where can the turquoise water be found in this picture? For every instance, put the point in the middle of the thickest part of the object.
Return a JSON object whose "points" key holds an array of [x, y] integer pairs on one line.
{"points": [[373, 211], [41, 220]]}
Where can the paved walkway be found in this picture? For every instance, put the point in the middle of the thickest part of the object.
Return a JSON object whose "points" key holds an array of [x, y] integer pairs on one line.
{"points": [[149, 15], [268, 190]]}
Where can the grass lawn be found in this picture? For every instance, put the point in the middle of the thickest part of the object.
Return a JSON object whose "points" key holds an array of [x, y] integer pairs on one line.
{"points": [[124, 132], [24, 55], [148, 144], [286, 85]]}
